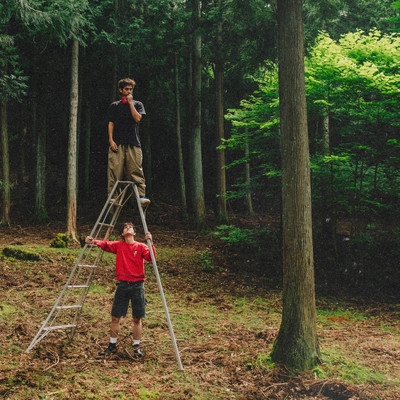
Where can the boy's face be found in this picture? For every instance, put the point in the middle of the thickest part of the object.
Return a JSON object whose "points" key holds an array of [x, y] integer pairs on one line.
{"points": [[128, 230], [126, 90]]}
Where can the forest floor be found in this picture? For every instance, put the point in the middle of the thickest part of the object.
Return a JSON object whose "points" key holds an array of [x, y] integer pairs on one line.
{"points": [[225, 322]]}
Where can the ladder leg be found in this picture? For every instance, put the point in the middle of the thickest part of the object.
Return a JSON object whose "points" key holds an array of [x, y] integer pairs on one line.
{"points": [[160, 288]]}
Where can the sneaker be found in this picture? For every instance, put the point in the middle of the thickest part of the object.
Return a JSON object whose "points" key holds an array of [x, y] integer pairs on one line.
{"points": [[112, 348], [144, 201], [136, 351]]}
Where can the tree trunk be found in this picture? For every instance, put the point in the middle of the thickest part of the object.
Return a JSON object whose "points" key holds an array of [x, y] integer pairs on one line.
{"points": [[249, 202], [40, 213], [179, 141], [296, 345], [22, 165], [196, 156], [86, 159], [222, 212], [325, 134], [72, 140], [114, 72], [148, 172], [6, 206]]}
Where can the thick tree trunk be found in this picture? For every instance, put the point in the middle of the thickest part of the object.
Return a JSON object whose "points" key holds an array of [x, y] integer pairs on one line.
{"points": [[179, 141], [6, 184], [296, 345], [222, 211], [72, 141], [196, 156]]}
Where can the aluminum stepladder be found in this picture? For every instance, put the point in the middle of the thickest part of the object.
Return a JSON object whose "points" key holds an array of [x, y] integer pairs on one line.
{"points": [[68, 306]]}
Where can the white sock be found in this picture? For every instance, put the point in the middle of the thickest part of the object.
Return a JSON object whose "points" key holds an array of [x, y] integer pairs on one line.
{"points": [[136, 342], [113, 340]]}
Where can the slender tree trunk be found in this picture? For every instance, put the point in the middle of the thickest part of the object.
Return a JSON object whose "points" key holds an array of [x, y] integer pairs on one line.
{"points": [[329, 218], [179, 141], [296, 345], [22, 164], [196, 156], [114, 72], [325, 134], [40, 213], [222, 211], [147, 159], [86, 159], [6, 184], [72, 144], [249, 202]]}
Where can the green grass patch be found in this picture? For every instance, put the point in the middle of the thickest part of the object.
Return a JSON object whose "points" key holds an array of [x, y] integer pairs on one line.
{"points": [[262, 362], [6, 310], [341, 315], [338, 365], [97, 289]]}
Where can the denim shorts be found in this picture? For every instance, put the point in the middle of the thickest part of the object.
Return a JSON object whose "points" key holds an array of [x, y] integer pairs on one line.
{"points": [[126, 292]]}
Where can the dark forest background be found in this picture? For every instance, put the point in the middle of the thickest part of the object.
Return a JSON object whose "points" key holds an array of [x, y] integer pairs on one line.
{"points": [[194, 62]]}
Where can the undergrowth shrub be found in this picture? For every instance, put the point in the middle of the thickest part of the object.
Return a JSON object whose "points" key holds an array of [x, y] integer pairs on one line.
{"points": [[60, 241], [367, 264], [205, 261], [258, 249]]}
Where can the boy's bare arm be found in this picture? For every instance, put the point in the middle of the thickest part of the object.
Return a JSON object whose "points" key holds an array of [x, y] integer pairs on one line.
{"points": [[136, 116], [113, 145]]}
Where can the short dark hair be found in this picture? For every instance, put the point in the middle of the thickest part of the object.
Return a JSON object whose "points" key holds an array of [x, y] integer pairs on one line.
{"points": [[126, 82], [127, 223]]}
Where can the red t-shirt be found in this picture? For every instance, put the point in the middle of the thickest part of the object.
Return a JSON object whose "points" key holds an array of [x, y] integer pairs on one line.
{"points": [[129, 261]]}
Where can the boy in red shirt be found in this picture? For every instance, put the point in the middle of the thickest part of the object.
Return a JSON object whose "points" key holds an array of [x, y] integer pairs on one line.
{"points": [[130, 286]]}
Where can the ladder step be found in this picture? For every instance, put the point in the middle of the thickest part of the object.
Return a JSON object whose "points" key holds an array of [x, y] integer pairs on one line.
{"points": [[77, 286], [65, 307], [103, 224], [87, 266], [53, 328]]}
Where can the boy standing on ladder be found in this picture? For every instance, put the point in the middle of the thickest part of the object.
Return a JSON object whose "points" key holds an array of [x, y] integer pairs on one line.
{"points": [[125, 154], [130, 286]]}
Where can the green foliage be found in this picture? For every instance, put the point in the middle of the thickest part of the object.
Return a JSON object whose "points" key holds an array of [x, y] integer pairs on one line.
{"points": [[353, 83], [234, 236], [262, 363], [60, 241], [205, 261], [256, 249]]}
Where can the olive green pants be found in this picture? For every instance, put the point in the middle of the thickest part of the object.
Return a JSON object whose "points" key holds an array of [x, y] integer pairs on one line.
{"points": [[126, 164]]}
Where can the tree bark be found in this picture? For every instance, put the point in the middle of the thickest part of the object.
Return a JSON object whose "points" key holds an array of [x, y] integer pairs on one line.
{"points": [[179, 141], [196, 155], [222, 212], [40, 213], [296, 345], [72, 141], [6, 184], [86, 159], [249, 201]]}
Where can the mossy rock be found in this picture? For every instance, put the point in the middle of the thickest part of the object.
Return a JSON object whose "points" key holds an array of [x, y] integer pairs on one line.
{"points": [[20, 254], [60, 241]]}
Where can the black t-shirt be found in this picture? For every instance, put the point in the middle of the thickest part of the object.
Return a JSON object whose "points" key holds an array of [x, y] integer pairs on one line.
{"points": [[126, 129]]}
